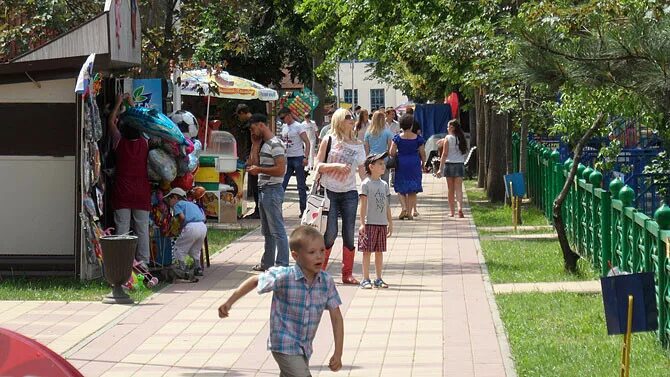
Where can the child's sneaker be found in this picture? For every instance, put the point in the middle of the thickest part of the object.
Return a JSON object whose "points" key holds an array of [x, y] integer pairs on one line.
{"points": [[366, 284], [379, 283]]}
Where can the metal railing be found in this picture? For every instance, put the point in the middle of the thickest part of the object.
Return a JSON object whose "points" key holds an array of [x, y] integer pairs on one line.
{"points": [[604, 225]]}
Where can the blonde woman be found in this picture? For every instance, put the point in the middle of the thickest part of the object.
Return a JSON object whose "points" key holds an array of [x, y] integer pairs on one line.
{"points": [[338, 167], [378, 138]]}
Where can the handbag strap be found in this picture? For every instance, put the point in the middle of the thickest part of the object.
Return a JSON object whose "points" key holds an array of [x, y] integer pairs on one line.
{"points": [[317, 179]]}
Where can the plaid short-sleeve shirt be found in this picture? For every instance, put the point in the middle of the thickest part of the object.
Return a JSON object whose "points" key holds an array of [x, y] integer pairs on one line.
{"points": [[296, 307]]}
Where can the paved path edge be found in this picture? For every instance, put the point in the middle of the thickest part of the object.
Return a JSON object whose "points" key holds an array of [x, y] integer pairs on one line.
{"points": [[501, 332]]}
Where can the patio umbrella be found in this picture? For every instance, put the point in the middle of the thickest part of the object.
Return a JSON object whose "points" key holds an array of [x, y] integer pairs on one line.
{"points": [[22, 356], [199, 81]]}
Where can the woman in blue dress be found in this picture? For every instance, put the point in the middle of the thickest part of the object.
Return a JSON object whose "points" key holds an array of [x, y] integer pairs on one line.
{"points": [[408, 148]]}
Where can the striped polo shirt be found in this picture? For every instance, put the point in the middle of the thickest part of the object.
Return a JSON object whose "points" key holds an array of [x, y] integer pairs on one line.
{"points": [[270, 150]]}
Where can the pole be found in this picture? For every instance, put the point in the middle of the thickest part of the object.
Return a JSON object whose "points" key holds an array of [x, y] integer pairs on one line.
{"points": [[204, 148], [353, 101], [625, 356], [337, 85]]}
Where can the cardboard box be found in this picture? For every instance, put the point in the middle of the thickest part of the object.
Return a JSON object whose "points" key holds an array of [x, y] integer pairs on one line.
{"points": [[227, 209]]}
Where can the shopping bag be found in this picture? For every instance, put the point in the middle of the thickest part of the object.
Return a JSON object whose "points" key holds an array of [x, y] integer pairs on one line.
{"points": [[318, 206]]}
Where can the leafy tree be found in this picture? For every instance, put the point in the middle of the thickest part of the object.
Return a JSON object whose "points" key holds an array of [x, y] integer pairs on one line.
{"points": [[27, 24]]}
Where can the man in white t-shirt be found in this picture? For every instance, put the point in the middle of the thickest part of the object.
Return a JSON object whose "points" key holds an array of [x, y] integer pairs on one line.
{"points": [[391, 123], [310, 127], [297, 143]]}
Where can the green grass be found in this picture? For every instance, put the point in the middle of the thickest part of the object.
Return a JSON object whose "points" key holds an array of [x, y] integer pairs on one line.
{"points": [[529, 261], [62, 289], [71, 289], [218, 239], [564, 335], [489, 214]]}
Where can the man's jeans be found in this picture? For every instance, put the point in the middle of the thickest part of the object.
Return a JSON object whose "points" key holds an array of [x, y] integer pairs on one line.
{"points": [[344, 204], [270, 199], [140, 227], [294, 164]]}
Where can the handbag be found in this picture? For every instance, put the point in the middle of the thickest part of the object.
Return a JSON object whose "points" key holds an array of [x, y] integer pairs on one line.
{"points": [[318, 204], [391, 162]]}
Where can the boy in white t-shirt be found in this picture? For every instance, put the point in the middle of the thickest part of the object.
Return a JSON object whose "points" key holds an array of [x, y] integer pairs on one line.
{"points": [[297, 143], [376, 222]]}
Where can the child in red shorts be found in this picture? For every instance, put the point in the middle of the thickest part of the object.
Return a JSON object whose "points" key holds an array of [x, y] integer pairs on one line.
{"points": [[376, 222]]}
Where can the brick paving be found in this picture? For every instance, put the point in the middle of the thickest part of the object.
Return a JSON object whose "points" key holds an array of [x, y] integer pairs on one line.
{"points": [[436, 319]]}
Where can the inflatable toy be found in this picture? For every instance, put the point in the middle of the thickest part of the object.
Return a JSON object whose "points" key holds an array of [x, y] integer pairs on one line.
{"points": [[164, 165], [153, 122], [186, 122]]}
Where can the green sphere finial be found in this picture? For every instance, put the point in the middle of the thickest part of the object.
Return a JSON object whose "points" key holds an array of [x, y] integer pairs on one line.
{"points": [[566, 163], [586, 173], [596, 178], [615, 186], [626, 195], [662, 217], [580, 170], [555, 156]]}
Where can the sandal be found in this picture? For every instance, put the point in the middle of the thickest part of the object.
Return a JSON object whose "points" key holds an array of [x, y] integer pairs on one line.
{"points": [[403, 215], [350, 280], [379, 283], [366, 284], [258, 268], [460, 214]]}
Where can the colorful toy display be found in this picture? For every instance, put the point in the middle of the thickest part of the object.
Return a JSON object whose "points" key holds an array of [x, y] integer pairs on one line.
{"points": [[153, 122]]}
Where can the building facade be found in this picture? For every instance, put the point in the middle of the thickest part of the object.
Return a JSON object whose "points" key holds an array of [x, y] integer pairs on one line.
{"points": [[355, 81]]}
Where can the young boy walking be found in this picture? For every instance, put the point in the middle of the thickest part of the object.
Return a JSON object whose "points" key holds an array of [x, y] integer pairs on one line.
{"points": [[376, 221], [300, 294], [193, 231]]}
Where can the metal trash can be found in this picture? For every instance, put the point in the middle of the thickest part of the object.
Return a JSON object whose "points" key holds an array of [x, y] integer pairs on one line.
{"points": [[118, 254]]}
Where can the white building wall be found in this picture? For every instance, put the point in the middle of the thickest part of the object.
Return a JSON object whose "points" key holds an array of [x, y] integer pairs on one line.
{"points": [[38, 191], [364, 83]]}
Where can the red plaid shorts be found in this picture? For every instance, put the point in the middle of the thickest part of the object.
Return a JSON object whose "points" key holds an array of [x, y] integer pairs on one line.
{"points": [[373, 240]]}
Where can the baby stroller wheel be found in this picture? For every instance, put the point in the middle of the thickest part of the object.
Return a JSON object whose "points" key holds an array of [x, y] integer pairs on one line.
{"points": [[152, 282]]}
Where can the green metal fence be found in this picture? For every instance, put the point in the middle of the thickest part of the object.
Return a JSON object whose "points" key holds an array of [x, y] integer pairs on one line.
{"points": [[601, 224]]}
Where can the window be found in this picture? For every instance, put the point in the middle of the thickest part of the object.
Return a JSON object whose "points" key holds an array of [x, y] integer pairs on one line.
{"points": [[377, 99], [347, 97]]}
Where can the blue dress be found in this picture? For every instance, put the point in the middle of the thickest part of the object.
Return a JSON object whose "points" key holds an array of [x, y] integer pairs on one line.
{"points": [[408, 172]]}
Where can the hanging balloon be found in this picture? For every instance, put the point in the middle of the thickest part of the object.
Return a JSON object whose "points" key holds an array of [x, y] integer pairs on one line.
{"points": [[163, 164], [184, 182]]}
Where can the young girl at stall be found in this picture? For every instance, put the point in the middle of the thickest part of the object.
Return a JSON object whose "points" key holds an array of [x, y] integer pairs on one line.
{"points": [[376, 222]]}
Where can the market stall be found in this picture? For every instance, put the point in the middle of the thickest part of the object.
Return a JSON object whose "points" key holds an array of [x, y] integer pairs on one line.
{"points": [[48, 156], [220, 172]]}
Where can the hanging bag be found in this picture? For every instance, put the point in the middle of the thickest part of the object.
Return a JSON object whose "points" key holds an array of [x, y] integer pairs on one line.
{"points": [[318, 204]]}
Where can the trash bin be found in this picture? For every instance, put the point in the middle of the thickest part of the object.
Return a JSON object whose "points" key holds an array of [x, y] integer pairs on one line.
{"points": [[118, 254]]}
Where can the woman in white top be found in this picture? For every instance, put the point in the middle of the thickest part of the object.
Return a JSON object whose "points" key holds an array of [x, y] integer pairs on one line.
{"points": [[454, 149], [338, 167], [362, 125]]}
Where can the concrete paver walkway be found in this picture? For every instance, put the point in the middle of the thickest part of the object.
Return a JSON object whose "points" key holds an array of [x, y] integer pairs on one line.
{"points": [[591, 286], [436, 319]]}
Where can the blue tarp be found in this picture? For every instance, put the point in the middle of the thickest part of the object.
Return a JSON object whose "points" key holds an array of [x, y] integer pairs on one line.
{"points": [[433, 118]]}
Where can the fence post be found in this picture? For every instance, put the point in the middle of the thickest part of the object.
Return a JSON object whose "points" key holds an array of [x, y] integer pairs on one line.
{"points": [[661, 266], [615, 225], [516, 153], [626, 195]]}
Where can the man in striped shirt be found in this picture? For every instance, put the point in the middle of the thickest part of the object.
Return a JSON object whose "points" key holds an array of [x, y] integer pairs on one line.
{"points": [[268, 162]]}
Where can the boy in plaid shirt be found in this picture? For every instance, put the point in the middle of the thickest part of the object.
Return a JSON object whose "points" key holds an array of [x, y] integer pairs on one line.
{"points": [[300, 294]]}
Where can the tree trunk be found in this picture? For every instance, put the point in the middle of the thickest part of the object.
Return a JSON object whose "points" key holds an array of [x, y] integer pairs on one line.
{"points": [[523, 136], [488, 124], [320, 90], [495, 185], [481, 138], [569, 256]]}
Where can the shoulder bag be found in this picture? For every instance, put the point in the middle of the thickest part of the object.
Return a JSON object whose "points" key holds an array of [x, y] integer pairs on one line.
{"points": [[318, 204]]}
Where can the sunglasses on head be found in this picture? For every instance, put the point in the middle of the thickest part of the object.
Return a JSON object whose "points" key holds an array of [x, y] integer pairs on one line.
{"points": [[348, 117]]}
